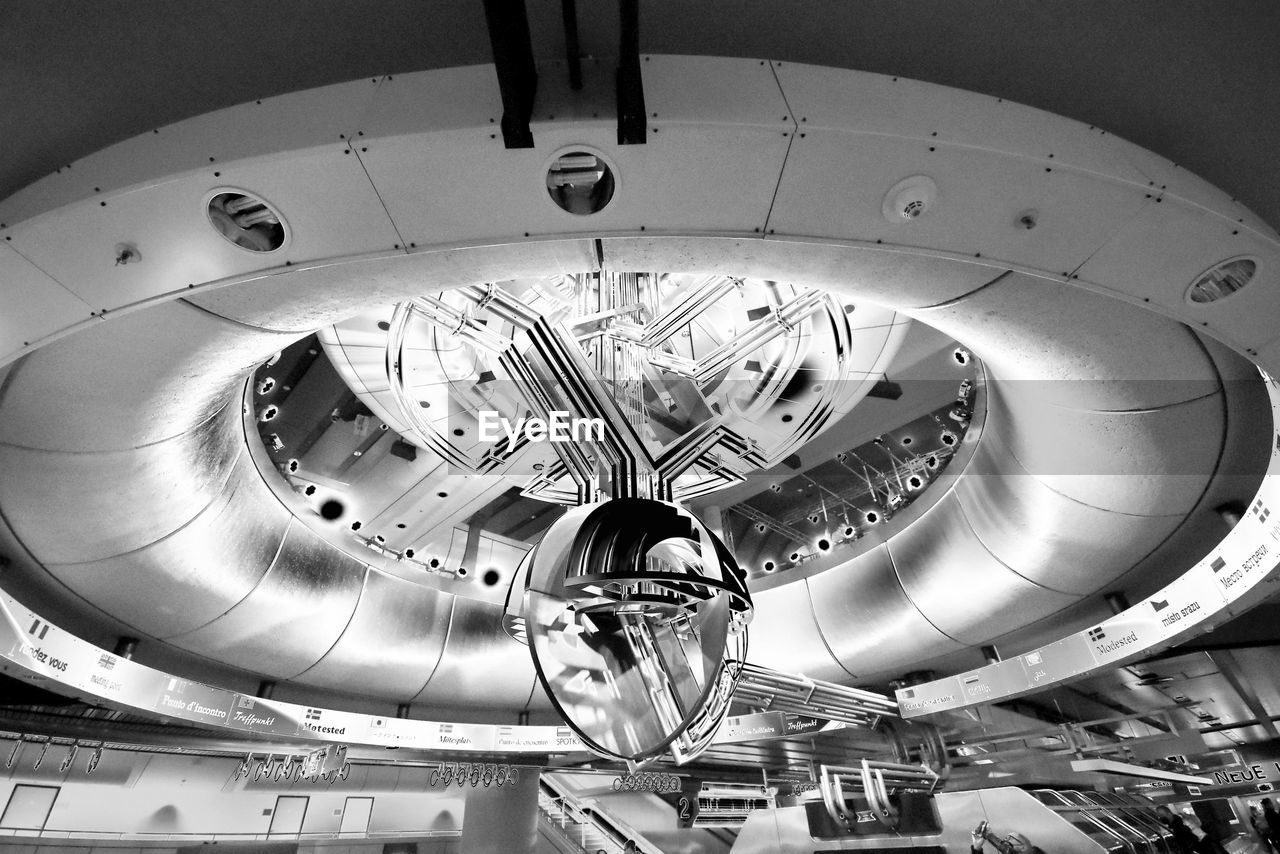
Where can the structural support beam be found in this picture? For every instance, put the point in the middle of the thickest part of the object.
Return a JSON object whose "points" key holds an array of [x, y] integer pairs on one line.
{"points": [[572, 52], [1227, 665], [517, 78], [631, 112]]}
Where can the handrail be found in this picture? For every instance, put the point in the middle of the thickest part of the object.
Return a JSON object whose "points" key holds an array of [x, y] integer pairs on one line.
{"points": [[875, 779], [559, 805], [157, 836], [785, 692]]}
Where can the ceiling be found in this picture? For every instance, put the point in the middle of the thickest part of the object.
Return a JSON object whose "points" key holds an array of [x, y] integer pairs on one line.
{"points": [[1185, 79], [1190, 80]]}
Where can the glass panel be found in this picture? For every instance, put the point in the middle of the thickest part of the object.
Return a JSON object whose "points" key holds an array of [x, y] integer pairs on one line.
{"points": [[355, 815], [288, 814], [28, 807]]}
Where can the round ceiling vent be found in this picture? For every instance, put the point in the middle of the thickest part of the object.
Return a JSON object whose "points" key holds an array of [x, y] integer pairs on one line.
{"points": [[247, 221], [909, 199], [1222, 280], [580, 182]]}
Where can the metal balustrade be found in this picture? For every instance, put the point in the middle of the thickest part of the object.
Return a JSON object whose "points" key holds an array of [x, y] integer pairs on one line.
{"points": [[587, 827]]}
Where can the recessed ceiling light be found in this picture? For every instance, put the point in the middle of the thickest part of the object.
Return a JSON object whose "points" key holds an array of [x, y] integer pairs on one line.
{"points": [[1222, 280]]}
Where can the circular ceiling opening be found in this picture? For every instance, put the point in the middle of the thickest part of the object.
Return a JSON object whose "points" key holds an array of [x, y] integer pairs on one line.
{"points": [[247, 221], [713, 382], [580, 183], [1222, 280]]}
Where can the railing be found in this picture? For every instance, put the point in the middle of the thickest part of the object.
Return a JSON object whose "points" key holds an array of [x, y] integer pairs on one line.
{"points": [[876, 780], [49, 833], [772, 690], [587, 827]]}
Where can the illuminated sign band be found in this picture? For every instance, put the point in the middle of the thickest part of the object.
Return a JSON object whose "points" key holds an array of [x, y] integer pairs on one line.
{"points": [[35, 650], [1233, 577]]}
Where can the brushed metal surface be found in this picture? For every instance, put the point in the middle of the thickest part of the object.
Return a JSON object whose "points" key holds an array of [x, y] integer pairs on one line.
{"points": [[1061, 346], [292, 617], [70, 507], [305, 300], [131, 380], [481, 665], [868, 620], [889, 278], [151, 375], [1048, 538], [959, 586], [35, 306], [392, 643], [1149, 462], [26, 580], [785, 635], [191, 576]]}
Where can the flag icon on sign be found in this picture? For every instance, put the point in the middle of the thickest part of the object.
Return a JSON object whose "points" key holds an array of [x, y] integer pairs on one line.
{"points": [[1218, 564], [1159, 605], [107, 662], [1260, 510], [1096, 633], [39, 628], [909, 693], [313, 714]]}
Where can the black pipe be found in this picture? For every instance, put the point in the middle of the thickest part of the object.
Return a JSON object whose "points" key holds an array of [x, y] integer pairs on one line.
{"points": [[630, 86], [508, 22], [572, 51]]}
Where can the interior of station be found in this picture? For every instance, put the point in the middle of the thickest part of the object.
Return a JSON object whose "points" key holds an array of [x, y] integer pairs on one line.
{"points": [[705, 428]]}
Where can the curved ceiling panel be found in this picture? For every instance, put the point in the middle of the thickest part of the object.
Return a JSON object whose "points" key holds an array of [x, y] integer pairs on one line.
{"points": [[1051, 343], [153, 491], [939, 555], [481, 663], [1125, 384], [304, 300], [210, 564], [786, 612], [1146, 463], [392, 643], [1043, 535], [292, 617], [146, 376], [864, 616], [881, 275]]}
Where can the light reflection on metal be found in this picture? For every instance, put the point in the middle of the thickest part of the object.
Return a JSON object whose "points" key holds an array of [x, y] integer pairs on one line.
{"points": [[770, 690], [731, 804], [699, 380], [474, 773], [70, 758], [636, 619], [879, 781]]}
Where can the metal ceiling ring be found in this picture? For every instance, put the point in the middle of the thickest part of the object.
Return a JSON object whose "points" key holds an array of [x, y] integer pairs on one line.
{"points": [[122, 370]]}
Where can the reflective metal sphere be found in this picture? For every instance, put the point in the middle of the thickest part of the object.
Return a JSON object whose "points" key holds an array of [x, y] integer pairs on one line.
{"points": [[636, 617]]}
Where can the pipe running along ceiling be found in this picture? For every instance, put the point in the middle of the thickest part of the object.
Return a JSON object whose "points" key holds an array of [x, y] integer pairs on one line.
{"points": [[138, 502]]}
